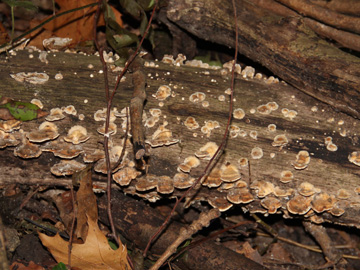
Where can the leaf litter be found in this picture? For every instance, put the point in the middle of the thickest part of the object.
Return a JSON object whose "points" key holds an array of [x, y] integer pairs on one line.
{"points": [[95, 252]]}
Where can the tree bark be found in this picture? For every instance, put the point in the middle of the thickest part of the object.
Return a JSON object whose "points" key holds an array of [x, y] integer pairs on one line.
{"points": [[284, 45]]}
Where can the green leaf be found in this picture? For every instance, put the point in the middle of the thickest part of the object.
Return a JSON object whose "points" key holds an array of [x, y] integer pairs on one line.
{"points": [[59, 266], [146, 4], [113, 245], [132, 7], [22, 110], [25, 4]]}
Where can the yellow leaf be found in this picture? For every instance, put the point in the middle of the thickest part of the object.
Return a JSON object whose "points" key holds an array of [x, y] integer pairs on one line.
{"points": [[94, 254]]}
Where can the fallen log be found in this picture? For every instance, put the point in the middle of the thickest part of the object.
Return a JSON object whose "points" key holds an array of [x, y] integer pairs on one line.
{"points": [[288, 154], [283, 44]]}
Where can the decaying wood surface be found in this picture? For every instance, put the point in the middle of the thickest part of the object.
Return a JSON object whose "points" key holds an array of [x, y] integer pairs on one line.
{"points": [[138, 221], [283, 44], [328, 171]]}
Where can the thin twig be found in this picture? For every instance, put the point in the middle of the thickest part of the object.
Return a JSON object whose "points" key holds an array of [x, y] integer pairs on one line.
{"points": [[125, 139], [72, 225], [311, 248], [109, 99], [211, 236], [218, 151], [28, 197], [185, 233]]}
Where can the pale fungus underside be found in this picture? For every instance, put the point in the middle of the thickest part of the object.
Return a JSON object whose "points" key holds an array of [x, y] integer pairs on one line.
{"points": [[277, 134]]}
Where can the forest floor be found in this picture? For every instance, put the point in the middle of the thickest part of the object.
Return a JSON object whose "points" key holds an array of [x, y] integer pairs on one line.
{"points": [[27, 211]]}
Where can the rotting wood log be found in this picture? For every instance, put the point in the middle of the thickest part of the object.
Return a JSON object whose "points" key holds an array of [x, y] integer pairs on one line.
{"points": [[330, 172], [137, 222], [284, 45]]}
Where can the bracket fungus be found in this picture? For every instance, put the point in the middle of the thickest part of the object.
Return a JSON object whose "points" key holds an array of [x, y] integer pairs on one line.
{"points": [[31, 77], [94, 156], [299, 205], [343, 194], [163, 92], [197, 97], [47, 131], [151, 121], [263, 188], [279, 192], [239, 113], [37, 102], [220, 203], [271, 127], [70, 109], [239, 195], [322, 202], [280, 140], [10, 125], [188, 164], [77, 134], [146, 183], [191, 123], [27, 150], [248, 72], [270, 203], [354, 158], [55, 114], [67, 167], [256, 153], [213, 179], [162, 136], [306, 189], [165, 185], [229, 172], [302, 160], [124, 176], [286, 176], [183, 180], [111, 130], [207, 151], [114, 154], [62, 149], [7, 139], [100, 115]]}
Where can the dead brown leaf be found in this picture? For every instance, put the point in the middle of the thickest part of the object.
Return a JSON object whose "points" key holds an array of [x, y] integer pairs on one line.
{"points": [[31, 266], [94, 254], [77, 25], [86, 203]]}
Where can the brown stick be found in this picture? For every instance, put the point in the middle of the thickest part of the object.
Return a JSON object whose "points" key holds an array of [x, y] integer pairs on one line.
{"points": [[346, 7], [324, 15], [220, 149], [345, 39], [136, 221], [136, 109], [323, 239], [185, 233]]}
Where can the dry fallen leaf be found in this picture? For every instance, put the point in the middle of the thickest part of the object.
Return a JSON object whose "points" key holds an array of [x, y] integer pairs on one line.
{"points": [[94, 254], [31, 266], [76, 25], [86, 202]]}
